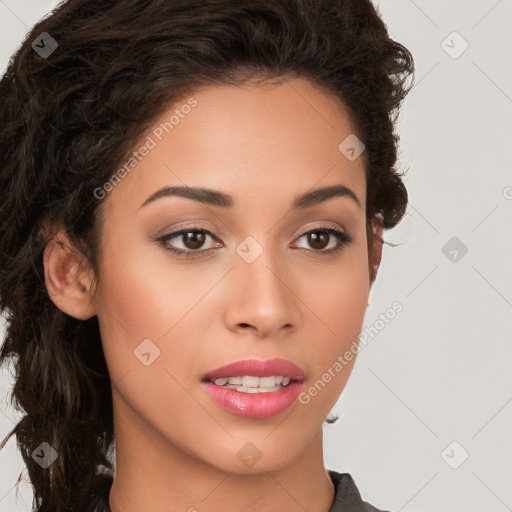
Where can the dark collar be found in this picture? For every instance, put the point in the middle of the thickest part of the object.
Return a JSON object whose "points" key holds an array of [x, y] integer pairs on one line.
{"points": [[347, 497]]}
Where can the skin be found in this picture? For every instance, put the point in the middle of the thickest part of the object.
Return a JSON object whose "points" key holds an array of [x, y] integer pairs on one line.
{"points": [[176, 448]]}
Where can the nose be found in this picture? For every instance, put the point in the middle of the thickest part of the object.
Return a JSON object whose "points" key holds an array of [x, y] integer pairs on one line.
{"points": [[262, 299]]}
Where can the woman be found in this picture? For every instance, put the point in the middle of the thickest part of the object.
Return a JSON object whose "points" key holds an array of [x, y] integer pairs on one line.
{"points": [[193, 199]]}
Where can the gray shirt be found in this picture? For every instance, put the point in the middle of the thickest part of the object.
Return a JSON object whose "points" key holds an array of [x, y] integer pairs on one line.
{"points": [[347, 497]]}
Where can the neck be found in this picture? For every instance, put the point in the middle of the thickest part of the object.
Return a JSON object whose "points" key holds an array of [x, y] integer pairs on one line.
{"points": [[153, 473]]}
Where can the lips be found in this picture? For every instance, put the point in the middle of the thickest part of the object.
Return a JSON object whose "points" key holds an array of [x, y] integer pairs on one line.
{"points": [[255, 402], [257, 368]]}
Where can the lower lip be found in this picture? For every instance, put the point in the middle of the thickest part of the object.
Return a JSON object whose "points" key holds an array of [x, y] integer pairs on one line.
{"points": [[254, 405]]}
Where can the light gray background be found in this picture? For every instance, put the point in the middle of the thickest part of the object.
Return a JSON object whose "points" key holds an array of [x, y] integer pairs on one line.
{"points": [[441, 370]]}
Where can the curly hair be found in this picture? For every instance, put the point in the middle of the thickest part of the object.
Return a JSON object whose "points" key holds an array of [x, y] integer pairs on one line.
{"points": [[69, 119]]}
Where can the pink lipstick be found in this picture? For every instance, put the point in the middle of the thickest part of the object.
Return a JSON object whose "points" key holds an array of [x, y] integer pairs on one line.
{"points": [[255, 388]]}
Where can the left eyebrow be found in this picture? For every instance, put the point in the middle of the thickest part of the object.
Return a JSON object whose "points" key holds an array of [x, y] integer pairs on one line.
{"points": [[217, 198], [320, 195]]}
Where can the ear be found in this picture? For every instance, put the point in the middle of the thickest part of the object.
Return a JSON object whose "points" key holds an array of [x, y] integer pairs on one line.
{"points": [[375, 248], [67, 281]]}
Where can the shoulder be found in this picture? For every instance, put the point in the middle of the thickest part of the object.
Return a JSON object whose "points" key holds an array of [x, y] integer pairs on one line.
{"points": [[347, 497]]}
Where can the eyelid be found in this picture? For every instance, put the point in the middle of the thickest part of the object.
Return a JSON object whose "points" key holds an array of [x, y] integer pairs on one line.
{"points": [[324, 226], [188, 227], [343, 238]]}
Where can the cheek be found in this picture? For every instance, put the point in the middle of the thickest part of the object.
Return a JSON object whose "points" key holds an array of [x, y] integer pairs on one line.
{"points": [[337, 298], [338, 293], [142, 296], [134, 303], [130, 290]]}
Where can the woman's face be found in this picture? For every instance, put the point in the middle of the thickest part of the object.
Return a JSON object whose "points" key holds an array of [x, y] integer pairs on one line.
{"points": [[260, 288]]}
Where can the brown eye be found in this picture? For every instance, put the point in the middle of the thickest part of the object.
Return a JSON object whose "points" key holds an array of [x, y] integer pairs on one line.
{"points": [[320, 238], [191, 239]]}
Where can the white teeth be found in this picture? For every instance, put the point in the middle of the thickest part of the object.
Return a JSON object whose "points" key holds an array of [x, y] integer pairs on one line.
{"points": [[274, 388], [252, 384], [269, 382], [243, 389]]}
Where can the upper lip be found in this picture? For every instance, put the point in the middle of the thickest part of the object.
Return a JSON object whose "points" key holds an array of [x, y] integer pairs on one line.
{"points": [[258, 368]]}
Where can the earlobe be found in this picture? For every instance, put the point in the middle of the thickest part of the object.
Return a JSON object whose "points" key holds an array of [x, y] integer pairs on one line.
{"points": [[67, 282]]}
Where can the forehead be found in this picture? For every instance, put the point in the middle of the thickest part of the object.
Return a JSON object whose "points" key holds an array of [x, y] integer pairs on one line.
{"points": [[264, 140]]}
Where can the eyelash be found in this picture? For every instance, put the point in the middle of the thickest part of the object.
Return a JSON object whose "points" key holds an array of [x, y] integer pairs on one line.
{"points": [[343, 239]]}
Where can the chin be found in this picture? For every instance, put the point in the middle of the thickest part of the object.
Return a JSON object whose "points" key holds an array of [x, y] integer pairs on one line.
{"points": [[251, 455]]}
